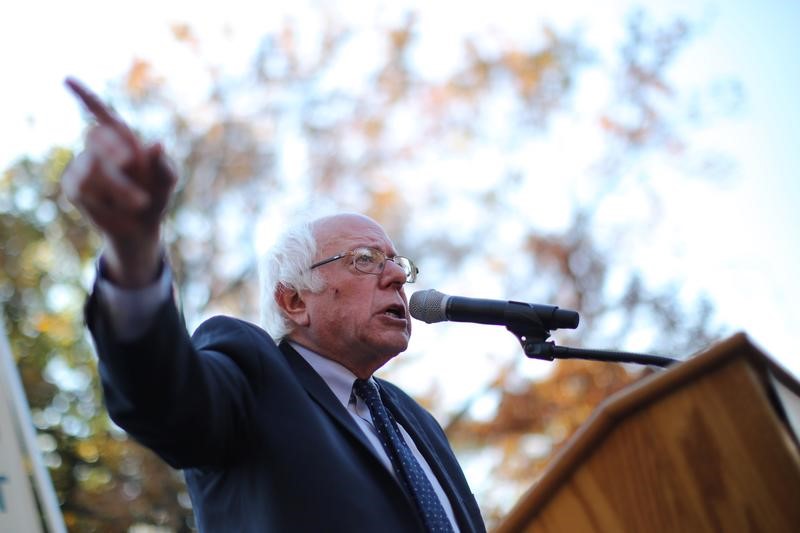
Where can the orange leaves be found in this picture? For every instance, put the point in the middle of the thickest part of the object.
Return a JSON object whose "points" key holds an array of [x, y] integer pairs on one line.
{"points": [[372, 127], [59, 327], [384, 202], [556, 405], [528, 69], [141, 80], [184, 33], [87, 451]]}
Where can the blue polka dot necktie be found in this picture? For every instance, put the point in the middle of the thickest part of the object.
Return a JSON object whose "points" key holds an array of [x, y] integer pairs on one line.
{"points": [[405, 465]]}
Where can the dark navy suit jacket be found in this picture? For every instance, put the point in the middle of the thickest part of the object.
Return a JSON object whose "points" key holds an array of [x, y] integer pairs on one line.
{"points": [[264, 443]]}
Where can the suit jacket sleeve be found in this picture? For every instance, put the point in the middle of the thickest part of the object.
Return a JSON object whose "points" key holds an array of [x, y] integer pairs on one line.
{"points": [[190, 402]]}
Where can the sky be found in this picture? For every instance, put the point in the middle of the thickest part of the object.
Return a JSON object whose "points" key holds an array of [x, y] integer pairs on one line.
{"points": [[735, 241]]}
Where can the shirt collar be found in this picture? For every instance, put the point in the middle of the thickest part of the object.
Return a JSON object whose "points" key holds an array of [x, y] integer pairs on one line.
{"points": [[338, 378]]}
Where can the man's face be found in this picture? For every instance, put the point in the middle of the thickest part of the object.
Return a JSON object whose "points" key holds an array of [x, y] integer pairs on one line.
{"points": [[360, 320]]}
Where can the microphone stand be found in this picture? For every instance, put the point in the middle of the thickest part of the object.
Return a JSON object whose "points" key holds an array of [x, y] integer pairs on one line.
{"points": [[533, 338]]}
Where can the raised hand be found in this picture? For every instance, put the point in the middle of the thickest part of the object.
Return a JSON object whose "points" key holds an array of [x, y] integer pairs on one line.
{"points": [[123, 187]]}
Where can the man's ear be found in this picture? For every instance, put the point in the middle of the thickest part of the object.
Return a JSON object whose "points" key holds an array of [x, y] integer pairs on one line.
{"points": [[292, 304]]}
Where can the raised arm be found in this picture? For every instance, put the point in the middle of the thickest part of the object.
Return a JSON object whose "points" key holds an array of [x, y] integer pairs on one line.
{"points": [[123, 187]]}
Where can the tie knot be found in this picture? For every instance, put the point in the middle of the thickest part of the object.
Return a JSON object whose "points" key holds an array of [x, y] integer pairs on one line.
{"points": [[366, 390]]}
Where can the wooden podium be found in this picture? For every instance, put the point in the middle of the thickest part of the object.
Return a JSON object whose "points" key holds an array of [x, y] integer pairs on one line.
{"points": [[709, 445]]}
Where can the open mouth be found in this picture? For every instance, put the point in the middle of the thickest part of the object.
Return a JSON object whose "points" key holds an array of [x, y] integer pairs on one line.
{"points": [[395, 311]]}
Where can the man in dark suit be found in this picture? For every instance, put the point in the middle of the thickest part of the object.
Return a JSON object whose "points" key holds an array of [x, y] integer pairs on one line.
{"points": [[296, 435]]}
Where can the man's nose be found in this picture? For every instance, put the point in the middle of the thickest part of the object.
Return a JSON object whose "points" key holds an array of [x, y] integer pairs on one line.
{"points": [[393, 273]]}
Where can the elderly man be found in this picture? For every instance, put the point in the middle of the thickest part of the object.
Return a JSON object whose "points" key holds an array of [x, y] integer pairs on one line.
{"points": [[289, 432]]}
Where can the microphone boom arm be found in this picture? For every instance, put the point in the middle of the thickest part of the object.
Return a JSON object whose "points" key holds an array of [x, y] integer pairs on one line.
{"points": [[533, 338]]}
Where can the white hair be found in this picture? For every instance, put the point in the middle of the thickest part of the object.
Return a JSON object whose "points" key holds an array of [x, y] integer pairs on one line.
{"points": [[286, 265]]}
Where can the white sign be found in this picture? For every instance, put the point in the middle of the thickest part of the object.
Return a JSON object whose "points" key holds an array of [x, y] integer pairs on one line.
{"points": [[22, 474], [17, 504]]}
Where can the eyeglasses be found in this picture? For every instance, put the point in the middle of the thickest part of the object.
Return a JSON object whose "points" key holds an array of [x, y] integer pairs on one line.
{"points": [[372, 261]]}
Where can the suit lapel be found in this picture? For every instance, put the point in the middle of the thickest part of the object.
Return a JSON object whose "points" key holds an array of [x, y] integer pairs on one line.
{"points": [[322, 395]]}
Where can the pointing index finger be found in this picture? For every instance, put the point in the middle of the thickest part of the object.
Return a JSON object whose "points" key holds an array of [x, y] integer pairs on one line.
{"points": [[96, 107]]}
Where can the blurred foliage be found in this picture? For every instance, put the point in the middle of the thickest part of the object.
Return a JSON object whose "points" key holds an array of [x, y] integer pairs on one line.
{"points": [[103, 480], [290, 133]]}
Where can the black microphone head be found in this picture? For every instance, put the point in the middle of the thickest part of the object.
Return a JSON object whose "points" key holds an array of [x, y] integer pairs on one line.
{"points": [[428, 306], [566, 318]]}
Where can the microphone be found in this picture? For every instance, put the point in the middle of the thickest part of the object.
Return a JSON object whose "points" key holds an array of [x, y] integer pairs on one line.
{"points": [[432, 306]]}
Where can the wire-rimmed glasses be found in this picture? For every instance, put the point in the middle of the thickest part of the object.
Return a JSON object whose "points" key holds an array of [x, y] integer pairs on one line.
{"points": [[372, 261]]}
